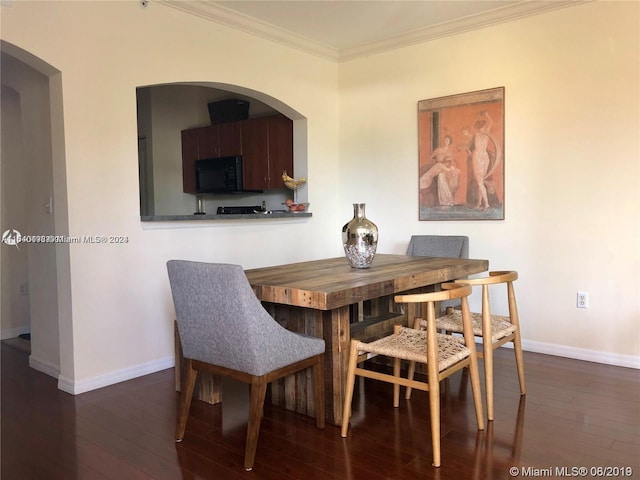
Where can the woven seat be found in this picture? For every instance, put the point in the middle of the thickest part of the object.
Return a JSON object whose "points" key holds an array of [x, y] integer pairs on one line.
{"points": [[495, 330], [411, 344], [442, 354], [500, 326]]}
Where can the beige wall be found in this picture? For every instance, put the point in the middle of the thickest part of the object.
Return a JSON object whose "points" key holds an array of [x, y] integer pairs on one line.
{"points": [[572, 160], [570, 103], [121, 311]]}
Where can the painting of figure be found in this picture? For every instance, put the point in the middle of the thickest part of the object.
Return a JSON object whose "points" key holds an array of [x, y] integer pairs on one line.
{"points": [[461, 156]]}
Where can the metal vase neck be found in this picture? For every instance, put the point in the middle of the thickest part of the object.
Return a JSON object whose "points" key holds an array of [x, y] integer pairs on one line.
{"points": [[358, 210]]}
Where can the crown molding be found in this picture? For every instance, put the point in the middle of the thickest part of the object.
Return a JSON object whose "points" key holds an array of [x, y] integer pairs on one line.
{"points": [[230, 18], [225, 16], [498, 15]]}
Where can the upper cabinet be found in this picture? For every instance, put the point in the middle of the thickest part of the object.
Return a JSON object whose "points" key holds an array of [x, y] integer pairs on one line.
{"points": [[280, 156], [265, 143], [267, 149], [215, 141]]}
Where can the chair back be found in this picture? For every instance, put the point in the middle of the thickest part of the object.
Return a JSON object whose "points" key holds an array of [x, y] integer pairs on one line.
{"points": [[495, 278], [222, 322], [452, 246], [450, 291], [437, 350]]}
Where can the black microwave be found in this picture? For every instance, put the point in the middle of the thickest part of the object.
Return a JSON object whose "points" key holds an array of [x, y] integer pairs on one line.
{"points": [[219, 175]]}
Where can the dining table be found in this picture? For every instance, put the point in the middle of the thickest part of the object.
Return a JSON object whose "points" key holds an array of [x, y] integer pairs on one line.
{"points": [[329, 299]]}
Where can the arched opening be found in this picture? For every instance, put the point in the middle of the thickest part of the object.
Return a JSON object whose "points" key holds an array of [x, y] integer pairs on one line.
{"points": [[165, 110]]}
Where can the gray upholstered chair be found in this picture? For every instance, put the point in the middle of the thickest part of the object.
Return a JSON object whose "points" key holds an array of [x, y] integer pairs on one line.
{"points": [[451, 246], [225, 330]]}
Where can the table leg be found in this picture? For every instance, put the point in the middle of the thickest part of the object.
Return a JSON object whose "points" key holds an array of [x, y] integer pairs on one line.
{"points": [[336, 334], [296, 392]]}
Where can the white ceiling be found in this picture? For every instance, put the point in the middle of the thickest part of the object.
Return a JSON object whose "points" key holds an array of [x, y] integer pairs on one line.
{"points": [[345, 29]]}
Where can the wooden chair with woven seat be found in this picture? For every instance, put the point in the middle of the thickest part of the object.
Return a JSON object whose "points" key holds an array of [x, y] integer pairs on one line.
{"points": [[495, 330], [443, 355], [225, 330]]}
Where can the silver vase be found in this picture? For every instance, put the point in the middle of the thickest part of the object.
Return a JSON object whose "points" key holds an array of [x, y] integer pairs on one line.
{"points": [[360, 238]]}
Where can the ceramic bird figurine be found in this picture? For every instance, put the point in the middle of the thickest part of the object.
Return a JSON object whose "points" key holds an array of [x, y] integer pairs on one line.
{"points": [[293, 183]]}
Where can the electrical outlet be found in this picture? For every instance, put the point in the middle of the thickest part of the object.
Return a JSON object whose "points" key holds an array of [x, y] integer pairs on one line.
{"points": [[24, 288], [583, 300]]}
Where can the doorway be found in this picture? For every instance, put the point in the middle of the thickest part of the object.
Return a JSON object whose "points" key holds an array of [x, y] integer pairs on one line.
{"points": [[33, 203]]}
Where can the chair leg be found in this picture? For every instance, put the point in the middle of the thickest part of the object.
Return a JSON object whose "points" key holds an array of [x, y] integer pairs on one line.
{"points": [[318, 390], [348, 394], [517, 339], [488, 373], [188, 384], [412, 365], [396, 387], [410, 375], [517, 348], [256, 406], [434, 411], [476, 391]]}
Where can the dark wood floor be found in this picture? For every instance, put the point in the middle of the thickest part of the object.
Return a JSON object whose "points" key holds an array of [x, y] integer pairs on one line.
{"points": [[576, 414]]}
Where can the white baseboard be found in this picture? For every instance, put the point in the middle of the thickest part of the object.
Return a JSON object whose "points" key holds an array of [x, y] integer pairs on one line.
{"points": [[608, 358], [596, 356], [82, 386], [44, 367]]}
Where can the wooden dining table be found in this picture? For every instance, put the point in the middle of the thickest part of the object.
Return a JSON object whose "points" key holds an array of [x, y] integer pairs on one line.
{"points": [[331, 300]]}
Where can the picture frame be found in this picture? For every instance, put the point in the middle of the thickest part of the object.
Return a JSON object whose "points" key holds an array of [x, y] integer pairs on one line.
{"points": [[461, 156]]}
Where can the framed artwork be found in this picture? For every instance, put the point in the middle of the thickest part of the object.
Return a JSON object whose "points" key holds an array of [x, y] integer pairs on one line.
{"points": [[461, 156]]}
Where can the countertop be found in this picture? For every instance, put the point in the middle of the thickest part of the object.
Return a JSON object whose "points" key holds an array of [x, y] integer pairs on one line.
{"points": [[214, 217]]}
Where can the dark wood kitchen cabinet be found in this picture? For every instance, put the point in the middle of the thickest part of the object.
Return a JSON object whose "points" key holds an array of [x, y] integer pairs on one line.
{"points": [[215, 141], [265, 143], [189, 157], [267, 150]]}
